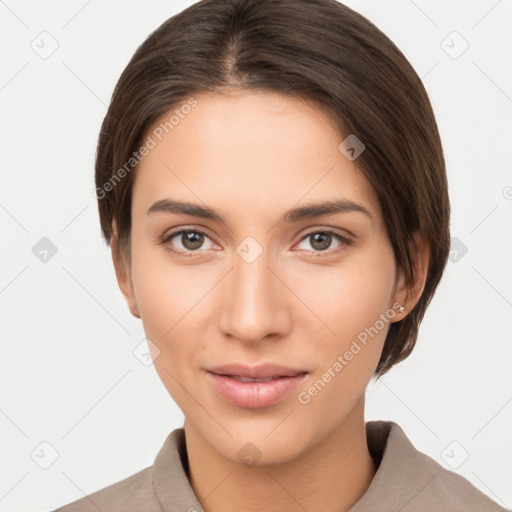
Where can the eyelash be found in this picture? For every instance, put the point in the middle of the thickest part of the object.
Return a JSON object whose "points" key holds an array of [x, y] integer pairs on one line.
{"points": [[313, 254]]}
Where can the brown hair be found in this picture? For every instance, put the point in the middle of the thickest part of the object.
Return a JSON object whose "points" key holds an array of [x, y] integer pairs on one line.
{"points": [[316, 50]]}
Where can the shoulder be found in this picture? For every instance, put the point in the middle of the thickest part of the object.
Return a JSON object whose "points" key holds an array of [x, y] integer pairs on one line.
{"points": [[134, 493], [409, 480], [165, 483], [447, 488], [442, 487]]}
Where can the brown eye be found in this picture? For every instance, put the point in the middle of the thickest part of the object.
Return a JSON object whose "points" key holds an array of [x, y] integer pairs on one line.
{"points": [[320, 241], [187, 241], [192, 240]]}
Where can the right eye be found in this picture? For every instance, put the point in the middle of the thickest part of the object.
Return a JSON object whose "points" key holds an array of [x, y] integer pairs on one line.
{"points": [[185, 241]]}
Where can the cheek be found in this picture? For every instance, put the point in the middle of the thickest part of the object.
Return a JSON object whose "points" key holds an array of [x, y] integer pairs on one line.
{"points": [[349, 296], [352, 302], [165, 299], [174, 302], [161, 296], [164, 291]]}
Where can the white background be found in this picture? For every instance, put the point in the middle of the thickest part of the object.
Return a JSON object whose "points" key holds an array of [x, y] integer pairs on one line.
{"points": [[68, 373]]}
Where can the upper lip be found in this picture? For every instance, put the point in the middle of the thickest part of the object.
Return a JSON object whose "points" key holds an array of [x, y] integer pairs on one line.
{"points": [[262, 371]]}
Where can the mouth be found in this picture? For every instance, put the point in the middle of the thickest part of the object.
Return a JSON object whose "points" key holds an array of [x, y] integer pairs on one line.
{"points": [[239, 378], [255, 391], [268, 371]]}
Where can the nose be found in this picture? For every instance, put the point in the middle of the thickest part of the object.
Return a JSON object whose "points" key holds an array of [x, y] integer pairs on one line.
{"points": [[254, 302]]}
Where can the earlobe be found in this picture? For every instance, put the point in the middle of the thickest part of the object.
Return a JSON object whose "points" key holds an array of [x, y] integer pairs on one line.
{"points": [[123, 275]]}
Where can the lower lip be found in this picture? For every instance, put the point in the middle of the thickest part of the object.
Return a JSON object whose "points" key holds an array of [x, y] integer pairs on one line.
{"points": [[254, 395]]}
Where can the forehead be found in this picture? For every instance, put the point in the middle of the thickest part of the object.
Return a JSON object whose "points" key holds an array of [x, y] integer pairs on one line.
{"points": [[251, 149]]}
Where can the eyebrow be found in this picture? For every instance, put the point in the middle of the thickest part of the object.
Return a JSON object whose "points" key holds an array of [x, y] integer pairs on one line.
{"points": [[294, 215]]}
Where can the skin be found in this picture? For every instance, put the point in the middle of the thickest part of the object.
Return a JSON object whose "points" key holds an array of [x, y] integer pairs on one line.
{"points": [[252, 156]]}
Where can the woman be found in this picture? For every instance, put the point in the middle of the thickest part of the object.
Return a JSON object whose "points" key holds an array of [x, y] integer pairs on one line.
{"points": [[272, 184]]}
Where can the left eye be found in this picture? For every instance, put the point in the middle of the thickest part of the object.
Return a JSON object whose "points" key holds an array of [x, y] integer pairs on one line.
{"points": [[320, 241]]}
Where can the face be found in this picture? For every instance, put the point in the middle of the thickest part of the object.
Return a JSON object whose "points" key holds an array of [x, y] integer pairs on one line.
{"points": [[252, 285]]}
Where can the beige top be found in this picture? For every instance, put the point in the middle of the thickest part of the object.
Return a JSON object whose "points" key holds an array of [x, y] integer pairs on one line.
{"points": [[406, 480]]}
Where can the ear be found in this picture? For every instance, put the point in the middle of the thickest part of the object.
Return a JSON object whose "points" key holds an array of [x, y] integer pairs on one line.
{"points": [[406, 296], [123, 273]]}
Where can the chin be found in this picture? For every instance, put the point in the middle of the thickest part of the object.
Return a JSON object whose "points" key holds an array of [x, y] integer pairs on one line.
{"points": [[256, 445]]}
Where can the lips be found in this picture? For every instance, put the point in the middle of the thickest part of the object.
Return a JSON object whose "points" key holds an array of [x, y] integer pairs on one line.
{"points": [[255, 387]]}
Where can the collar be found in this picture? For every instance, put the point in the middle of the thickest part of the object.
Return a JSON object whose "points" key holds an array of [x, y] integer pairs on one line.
{"points": [[401, 481]]}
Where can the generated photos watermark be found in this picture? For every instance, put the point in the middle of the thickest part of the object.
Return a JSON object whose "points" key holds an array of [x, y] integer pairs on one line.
{"points": [[305, 397], [156, 136]]}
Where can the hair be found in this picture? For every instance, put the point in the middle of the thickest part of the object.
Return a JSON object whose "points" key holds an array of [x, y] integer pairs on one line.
{"points": [[319, 51]]}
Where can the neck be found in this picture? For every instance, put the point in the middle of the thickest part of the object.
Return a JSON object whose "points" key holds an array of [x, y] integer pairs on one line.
{"points": [[331, 476]]}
